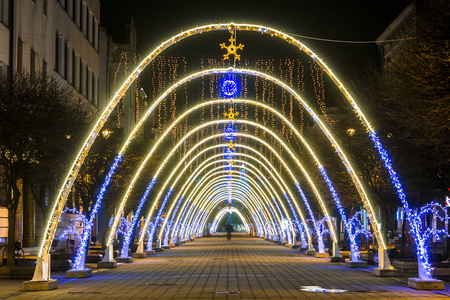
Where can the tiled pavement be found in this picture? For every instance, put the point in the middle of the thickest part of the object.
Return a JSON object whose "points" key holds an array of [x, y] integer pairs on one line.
{"points": [[246, 267]]}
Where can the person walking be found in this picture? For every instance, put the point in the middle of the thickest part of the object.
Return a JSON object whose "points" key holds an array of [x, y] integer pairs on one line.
{"points": [[229, 230]]}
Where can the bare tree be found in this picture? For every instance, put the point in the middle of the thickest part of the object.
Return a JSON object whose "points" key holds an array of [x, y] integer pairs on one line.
{"points": [[39, 122]]}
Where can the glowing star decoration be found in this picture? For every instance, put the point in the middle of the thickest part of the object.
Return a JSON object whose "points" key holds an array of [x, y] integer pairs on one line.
{"points": [[231, 49], [229, 88]]}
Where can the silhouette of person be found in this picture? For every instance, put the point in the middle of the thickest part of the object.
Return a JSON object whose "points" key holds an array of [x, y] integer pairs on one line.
{"points": [[229, 230]]}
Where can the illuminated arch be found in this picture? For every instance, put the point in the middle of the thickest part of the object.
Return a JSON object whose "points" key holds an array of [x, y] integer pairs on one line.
{"points": [[207, 206], [261, 190], [255, 172], [182, 161], [268, 217], [220, 190], [223, 211]]}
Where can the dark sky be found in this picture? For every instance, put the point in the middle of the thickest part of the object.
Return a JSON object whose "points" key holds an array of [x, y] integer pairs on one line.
{"points": [[357, 20]]}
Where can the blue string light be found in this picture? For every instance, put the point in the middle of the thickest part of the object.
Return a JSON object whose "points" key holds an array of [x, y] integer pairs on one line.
{"points": [[127, 236], [313, 219], [72, 228], [81, 252], [166, 236], [179, 225], [413, 217], [158, 217], [183, 228], [275, 222], [348, 225]]}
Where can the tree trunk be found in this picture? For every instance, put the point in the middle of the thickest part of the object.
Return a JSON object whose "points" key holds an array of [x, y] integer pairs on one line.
{"points": [[13, 200], [105, 230], [385, 221], [403, 234], [11, 235]]}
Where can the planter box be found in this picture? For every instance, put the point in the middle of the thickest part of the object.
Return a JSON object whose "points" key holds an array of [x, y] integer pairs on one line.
{"points": [[369, 257], [93, 258], [440, 272], [405, 266]]}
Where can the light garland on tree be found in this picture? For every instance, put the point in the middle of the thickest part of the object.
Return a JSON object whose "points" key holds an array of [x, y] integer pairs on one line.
{"points": [[72, 228], [316, 225], [172, 224], [127, 236], [158, 216], [81, 252]]}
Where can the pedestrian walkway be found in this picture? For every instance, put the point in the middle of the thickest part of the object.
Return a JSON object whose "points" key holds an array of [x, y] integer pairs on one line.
{"points": [[243, 268]]}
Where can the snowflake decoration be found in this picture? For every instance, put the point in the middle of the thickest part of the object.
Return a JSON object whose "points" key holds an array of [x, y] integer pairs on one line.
{"points": [[231, 49], [231, 115]]}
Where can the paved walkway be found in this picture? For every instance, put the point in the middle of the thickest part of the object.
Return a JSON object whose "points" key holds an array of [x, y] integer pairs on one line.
{"points": [[246, 267]]}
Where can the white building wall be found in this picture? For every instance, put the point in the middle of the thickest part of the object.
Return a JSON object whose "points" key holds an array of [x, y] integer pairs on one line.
{"points": [[56, 36]]}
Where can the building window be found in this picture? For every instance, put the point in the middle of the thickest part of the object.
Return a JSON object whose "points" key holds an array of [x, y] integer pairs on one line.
{"points": [[84, 19], [4, 12], [32, 63], [96, 35], [90, 28], [83, 80], [19, 55], [80, 75], [44, 68], [74, 67], [94, 90], [57, 51], [88, 83], [45, 7], [63, 3], [69, 8], [66, 60], [75, 11], [97, 98]]}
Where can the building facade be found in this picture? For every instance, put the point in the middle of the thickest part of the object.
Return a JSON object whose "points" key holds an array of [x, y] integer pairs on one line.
{"points": [[59, 38]]}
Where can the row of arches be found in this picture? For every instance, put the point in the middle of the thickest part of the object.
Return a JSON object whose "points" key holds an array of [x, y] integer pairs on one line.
{"points": [[288, 204]]}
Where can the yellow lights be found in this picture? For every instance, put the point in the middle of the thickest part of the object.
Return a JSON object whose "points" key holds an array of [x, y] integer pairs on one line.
{"points": [[106, 133], [231, 49], [351, 132]]}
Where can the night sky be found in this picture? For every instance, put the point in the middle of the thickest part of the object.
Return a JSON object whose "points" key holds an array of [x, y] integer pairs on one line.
{"points": [[355, 20]]}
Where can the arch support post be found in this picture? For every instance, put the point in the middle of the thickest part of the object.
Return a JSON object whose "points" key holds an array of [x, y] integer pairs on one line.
{"points": [[336, 255], [311, 250], [108, 261], [385, 269], [41, 279], [140, 251]]}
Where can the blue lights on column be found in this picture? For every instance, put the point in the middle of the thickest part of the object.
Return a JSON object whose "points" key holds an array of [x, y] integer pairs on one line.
{"points": [[127, 236], [158, 217], [172, 226], [349, 226], [413, 218], [313, 219], [81, 252]]}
